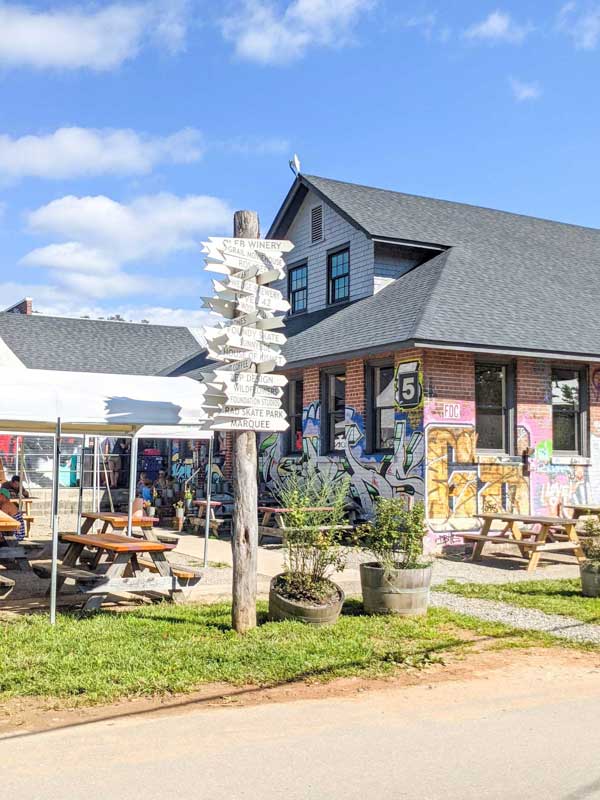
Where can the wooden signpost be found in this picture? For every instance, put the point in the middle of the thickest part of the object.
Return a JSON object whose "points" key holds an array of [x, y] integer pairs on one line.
{"points": [[244, 395]]}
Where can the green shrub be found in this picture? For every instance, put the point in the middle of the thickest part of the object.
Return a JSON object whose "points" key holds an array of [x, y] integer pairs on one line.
{"points": [[590, 539], [312, 545], [395, 536]]}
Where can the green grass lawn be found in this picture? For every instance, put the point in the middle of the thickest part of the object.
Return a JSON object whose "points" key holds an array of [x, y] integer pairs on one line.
{"points": [[171, 648], [554, 597]]}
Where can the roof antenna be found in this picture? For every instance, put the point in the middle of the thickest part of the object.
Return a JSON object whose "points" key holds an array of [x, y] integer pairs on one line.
{"points": [[295, 164]]}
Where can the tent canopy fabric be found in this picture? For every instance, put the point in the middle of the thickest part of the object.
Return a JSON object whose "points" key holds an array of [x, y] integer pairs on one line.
{"points": [[105, 404]]}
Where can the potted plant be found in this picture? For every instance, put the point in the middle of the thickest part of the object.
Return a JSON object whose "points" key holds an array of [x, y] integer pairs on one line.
{"points": [[149, 509], [312, 551], [590, 568], [398, 580]]}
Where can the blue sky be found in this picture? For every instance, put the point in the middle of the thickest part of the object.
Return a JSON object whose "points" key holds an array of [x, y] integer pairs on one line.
{"points": [[130, 131]]}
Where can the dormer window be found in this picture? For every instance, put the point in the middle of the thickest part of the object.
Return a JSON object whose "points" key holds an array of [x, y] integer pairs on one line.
{"points": [[316, 224]]}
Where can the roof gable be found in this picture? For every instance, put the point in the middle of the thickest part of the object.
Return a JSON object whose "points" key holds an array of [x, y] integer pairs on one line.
{"points": [[504, 281]]}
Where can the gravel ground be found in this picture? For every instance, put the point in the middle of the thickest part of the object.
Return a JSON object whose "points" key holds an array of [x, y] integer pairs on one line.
{"points": [[521, 618]]}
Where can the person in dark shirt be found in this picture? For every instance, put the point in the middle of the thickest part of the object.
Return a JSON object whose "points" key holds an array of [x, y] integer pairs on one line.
{"points": [[12, 487]]}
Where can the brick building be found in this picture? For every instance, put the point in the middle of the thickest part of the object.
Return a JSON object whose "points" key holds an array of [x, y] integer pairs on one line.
{"points": [[440, 350]]}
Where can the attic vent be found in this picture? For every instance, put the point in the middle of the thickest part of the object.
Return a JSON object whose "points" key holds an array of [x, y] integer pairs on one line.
{"points": [[316, 224]]}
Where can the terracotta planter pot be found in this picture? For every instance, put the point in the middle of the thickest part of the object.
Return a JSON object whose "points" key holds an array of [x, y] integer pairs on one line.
{"points": [[281, 608], [399, 591]]}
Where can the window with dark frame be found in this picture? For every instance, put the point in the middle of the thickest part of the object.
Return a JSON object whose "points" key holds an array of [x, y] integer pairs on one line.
{"points": [[382, 407], [566, 411], [295, 390], [491, 412], [298, 288], [336, 411], [338, 276]]}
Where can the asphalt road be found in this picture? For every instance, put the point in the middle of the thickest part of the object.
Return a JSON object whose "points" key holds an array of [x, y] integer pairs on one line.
{"points": [[520, 733]]}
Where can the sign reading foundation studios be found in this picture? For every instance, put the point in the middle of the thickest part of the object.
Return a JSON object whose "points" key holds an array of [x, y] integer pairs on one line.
{"points": [[242, 392]]}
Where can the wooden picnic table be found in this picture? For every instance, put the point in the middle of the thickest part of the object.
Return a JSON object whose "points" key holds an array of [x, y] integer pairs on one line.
{"points": [[273, 520], [122, 573], [581, 509], [115, 521], [554, 533], [201, 506]]}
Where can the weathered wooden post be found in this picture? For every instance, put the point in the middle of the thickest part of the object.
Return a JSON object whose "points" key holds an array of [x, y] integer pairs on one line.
{"points": [[243, 395], [244, 534]]}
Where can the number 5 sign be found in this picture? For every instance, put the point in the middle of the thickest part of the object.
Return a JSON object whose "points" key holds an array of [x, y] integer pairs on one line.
{"points": [[408, 385]]}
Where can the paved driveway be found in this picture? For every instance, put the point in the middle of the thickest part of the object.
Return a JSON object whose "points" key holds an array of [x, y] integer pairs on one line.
{"points": [[519, 732]]}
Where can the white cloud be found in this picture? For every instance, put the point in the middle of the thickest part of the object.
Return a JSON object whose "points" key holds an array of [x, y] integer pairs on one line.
{"points": [[77, 152], [53, 301], [100, 237], [70, 256], [498, 26], [523, 91], [245, 146], [72, 38], [264, 33], [426, 23], [152, 227], [581, 25]]}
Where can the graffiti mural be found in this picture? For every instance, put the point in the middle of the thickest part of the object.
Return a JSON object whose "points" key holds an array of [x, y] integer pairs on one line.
{"points": [[372, 474], [461, 484]]}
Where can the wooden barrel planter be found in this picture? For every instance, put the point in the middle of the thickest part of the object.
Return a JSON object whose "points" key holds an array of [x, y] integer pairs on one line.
{"points": [[281, 608], [399, 591], [590, 578]]}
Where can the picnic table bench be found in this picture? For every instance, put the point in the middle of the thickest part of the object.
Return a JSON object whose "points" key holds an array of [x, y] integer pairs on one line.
{"points": [[273, 521], [554, 533], [123, 573], [114, 521], [581, 509]]}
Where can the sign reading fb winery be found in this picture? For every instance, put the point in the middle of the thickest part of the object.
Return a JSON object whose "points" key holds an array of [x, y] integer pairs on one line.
{"points": [[242, 392]]}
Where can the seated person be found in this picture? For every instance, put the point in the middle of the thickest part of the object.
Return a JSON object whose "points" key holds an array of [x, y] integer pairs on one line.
{"points": [[161, 482], [8, 507], [146, 491], [141, 482], [12, 487]]}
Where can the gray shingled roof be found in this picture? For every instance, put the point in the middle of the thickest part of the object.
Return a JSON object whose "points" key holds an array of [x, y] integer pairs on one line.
{"points": [[506, 280], [81, 345]]}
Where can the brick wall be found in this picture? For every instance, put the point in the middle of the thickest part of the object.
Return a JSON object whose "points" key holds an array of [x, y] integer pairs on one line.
{"points": [[228, 456], [25, 306], [311, 386], [449, 375], [355, 385], [534, 406], [449, 379]]}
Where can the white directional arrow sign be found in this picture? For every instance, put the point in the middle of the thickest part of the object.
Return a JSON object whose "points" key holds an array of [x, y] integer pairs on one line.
{"points": [[222, 374], [250, 424], [244, 246], [247, 401], [243, 392]]}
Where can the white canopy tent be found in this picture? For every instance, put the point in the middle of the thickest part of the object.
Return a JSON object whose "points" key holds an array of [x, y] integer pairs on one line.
{"points": [[53, 402]]}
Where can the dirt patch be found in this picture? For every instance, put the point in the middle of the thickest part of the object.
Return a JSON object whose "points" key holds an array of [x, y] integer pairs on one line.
{"points": [[23, 716]]}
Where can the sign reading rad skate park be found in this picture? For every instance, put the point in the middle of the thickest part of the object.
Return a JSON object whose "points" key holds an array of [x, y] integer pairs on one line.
{"points": [[243, 391]]}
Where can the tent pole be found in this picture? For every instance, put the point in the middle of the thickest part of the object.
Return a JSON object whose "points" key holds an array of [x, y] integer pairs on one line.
{"points": [[208, 494], [133, 450], [80, 498], [55, 483], [95, 478]]}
